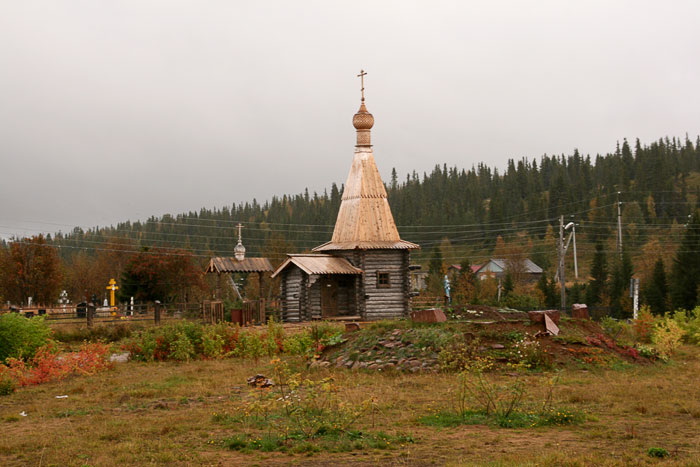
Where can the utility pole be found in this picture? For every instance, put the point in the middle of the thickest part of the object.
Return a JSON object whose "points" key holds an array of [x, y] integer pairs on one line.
{"points": [[562, 281], [573, 232], [619, 226]]}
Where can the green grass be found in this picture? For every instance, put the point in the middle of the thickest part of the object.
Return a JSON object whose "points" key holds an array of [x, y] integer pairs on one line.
{"points": [[519, 419], [451, 419], [329, 440]]}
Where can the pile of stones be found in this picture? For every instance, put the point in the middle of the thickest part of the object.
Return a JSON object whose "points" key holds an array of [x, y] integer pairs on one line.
{"points": [[390, 353]]}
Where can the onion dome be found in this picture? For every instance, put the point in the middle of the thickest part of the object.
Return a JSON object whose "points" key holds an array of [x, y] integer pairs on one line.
{"points": [[239, 251], [363, 120]]}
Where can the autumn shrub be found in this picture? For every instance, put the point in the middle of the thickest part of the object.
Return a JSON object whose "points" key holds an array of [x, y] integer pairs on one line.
{"points": [[298, 344], [182, 348], [689, 321], [47, 365], [644, 324], [667, 336], [20, 337], [250, 345], [7, 384], [213, 342], [160, 343], [611, 326], [186, 340], [273, 338]]}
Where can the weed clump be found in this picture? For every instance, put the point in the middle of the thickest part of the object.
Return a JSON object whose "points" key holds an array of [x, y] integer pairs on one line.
{"points": [[481, 399], [301, 415], [657, 452]]}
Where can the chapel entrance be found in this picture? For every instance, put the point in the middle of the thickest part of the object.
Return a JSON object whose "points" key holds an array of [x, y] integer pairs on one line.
{"points": [[329, 297], [337, 295]]}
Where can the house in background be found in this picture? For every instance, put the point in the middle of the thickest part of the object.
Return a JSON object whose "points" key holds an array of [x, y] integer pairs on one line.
{"points": [[455, 269], [524, 268], [364, 271]]}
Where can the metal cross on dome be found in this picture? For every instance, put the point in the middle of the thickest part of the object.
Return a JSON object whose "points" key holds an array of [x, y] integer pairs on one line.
{"points": [[240, 226], [362, 83]]}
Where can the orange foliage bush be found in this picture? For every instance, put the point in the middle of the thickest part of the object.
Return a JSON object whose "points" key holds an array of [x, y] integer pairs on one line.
{"points": [[644, 324], [47, 365]]}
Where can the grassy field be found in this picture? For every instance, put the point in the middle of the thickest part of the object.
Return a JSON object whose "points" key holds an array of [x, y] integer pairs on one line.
{"points": [[186, 413]]}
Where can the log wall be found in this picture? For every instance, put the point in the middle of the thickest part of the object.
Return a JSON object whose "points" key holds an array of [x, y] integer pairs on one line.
{"points": [[315, 298], [291, 285], [382, 302]]}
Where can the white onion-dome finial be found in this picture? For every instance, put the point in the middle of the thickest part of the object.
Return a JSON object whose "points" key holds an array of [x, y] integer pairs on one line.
{"points": [[239, 250]]}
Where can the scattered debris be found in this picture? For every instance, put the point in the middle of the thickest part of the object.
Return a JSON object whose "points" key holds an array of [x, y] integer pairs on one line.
{"points": [[23, 413], [120, 357], [62, 397], [163, 405], [260, 381]]}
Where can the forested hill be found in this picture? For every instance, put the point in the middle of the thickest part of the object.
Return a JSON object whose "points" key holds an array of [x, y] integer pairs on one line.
{"points": [[658, 185]]}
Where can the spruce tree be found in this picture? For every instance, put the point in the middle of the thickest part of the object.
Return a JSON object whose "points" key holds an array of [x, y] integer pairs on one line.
{"points": [[436, 272], [619, 286], [657, 291], [508, 284], [685, 273], [599, 276]]}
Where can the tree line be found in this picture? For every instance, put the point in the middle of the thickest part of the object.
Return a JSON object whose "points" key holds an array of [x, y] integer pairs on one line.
{"points": [[460, 213]]}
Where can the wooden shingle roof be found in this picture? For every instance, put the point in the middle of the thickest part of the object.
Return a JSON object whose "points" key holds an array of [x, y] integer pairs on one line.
{"points": [[319, 264], [229, 265], [364, 219]]}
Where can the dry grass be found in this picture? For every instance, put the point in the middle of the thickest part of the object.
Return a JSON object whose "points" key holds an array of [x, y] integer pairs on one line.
{"points": [[161, 413]]}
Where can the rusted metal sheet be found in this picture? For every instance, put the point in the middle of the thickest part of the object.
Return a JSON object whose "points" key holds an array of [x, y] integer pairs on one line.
{"points": [[230, 265], [549, 325], [319, 264], [432, 315]]}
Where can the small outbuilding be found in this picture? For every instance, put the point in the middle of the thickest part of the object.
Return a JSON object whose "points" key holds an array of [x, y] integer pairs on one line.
{"points": [[238, 264]]}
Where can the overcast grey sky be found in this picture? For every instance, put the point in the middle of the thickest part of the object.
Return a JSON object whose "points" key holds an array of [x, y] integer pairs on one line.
{"points": [[117, 110]]}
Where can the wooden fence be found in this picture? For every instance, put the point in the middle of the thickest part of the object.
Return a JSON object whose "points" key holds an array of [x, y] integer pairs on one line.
{"points": [[212, 312], [155, 313], [426, 302]]}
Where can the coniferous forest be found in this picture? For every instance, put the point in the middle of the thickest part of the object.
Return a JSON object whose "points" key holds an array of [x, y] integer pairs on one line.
{"points": [[465, 216]]}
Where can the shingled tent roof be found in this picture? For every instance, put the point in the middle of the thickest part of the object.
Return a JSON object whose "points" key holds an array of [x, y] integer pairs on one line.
{"points": [[364, 219]]}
